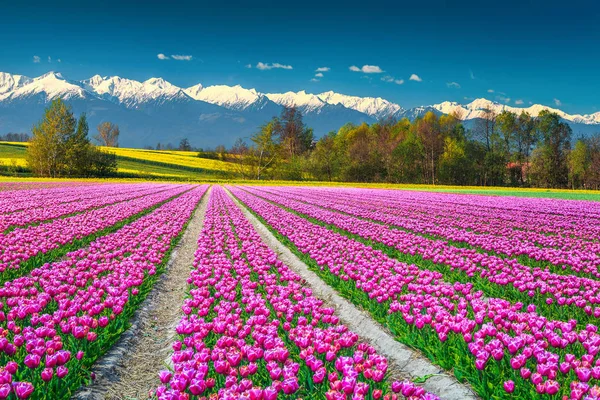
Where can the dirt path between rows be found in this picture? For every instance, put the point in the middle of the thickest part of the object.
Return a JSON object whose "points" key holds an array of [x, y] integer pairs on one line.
{"points": [[130, 369], [404, 362]]}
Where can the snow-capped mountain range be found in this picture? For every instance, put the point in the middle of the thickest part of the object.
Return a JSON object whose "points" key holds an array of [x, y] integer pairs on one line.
{"points": [[158, 111]]}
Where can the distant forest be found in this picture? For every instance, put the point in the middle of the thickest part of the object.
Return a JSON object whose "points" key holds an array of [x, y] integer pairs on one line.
{"points": [[503, 149]]}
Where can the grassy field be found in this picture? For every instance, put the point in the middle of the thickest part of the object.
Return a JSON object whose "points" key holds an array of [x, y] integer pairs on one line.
{"points": [[138, 164], [143, 164], [12, 153]]}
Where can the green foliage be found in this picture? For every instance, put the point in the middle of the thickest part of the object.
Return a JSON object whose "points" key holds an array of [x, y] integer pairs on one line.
{"points": [[46, 153], [549, 165], [60, 146], [453, 165], [579, 163], [265, 151]]}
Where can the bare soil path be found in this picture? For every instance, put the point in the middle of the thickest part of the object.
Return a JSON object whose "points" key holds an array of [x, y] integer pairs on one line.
{"points": [[129, 371]]}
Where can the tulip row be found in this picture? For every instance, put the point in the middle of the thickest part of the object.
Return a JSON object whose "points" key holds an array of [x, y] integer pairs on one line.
{"points": [[250, 330], [25, 248], [556, 243], [87, 198], [64, 315], [497, 277], [504, 349], [18, 200], [39, 185]]}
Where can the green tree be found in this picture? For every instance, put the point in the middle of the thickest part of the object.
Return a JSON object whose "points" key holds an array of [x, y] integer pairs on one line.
{"points": [[265, 149], [555, 142], [77, 149], [294, 136], [428, 131], [101, 164], [507, 125], [325, 160], [47, 148], [408, 159], [579, 162], [453, 164]]}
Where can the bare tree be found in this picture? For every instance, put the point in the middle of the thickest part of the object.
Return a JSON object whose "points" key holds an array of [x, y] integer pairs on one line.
{"points": [[108, 134], [485, 126], [241, 157]]}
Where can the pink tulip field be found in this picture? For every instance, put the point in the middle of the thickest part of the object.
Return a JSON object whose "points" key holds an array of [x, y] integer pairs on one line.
{"points": [[502, 293], [59, 317], [252, 331]]}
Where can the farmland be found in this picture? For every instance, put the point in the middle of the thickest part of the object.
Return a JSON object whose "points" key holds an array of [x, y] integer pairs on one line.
{"points": [[139, 163], [464, 296]]}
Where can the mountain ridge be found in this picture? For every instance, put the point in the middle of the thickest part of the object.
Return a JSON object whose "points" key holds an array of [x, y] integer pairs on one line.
{"points": [[222, 110]]}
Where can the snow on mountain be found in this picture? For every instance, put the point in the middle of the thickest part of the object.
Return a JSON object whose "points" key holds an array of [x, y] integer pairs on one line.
{"points": [[194, 91], [231, 97], [307, 102], [10, 82], [48, 86], [477, 109], [132, 93], [373, 106]]}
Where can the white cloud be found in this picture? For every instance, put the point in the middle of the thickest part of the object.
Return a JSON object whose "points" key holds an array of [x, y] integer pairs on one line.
{"points": [[453, 85], [323, 69], [367, 69], [248, 65], [490, 90], [557, 102], [314, 80], [371, 69], [58, 60], [519, 102], [416, 78], [504, 99], [180, 57], [49, 59], [266, 66], [391, 79], [471, 74], [161, 56], [319, 75], [36, 59]]}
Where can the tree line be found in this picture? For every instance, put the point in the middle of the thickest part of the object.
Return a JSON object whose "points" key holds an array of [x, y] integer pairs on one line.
{"points": [[504, 149], [14, 137], [60, 145]]}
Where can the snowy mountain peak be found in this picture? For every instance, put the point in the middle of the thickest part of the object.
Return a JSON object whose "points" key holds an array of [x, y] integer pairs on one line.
{"points": [[48, 87], [95, 80], [478, 108], [50, 75], [133, 93], [159, 82], [306, 101], [10, 82], [232, 97], [193, 91], [372, 106]]}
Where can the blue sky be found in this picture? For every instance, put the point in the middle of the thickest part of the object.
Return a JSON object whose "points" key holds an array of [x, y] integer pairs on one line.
{"points": [[533, 51]]}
